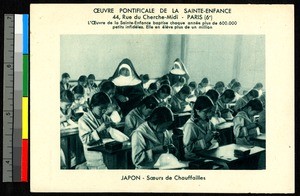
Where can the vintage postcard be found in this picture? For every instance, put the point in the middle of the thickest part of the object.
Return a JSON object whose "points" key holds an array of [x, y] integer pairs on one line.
{"points": [[162, 98]]}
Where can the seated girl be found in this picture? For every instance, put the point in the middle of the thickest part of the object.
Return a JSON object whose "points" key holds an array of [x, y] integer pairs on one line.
{"points": [[220, 87], [66, 100], [203, 87], [91, 86], [198, 133], [151, 89], [216, 119], [234, 80], [178, 101], [224, 100], [94, 126], [64, 83], [152, 138], [109, 88], [82, 81], [162, 94], [259, 86], [236, 87], [245, 126], [252, 94], [178, 85], [139, 114], [192, 97], [79, 105]]}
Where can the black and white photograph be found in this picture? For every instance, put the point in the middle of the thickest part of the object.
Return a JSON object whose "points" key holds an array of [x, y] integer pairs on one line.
{"points": [[162, 102], [168, 98]]}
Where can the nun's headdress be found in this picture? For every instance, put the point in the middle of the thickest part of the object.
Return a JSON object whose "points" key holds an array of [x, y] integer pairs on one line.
{"points": [[179, 68], [131, 80]]}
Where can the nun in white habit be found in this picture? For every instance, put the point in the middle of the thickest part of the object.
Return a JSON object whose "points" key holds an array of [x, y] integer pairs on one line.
{"points": [[178, 70], [129, 91]]}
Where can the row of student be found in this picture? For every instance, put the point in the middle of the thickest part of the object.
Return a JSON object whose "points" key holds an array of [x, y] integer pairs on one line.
{"points": [[148, 127], [90, 86], [178, 102], [131, 88]]}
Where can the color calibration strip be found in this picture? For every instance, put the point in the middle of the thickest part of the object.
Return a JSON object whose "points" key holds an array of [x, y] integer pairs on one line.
{"points": [[25, 120], [15, 99]]}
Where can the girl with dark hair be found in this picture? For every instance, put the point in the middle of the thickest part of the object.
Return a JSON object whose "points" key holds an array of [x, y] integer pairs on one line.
{"points": [[236, 87], [198, 133], [245, 126], [64, 83], [220, 87], [259, 86], [225, 99], [152, 138], [91, 86], [203, 86], [213, 94], [162, 94], [66, 100], [80, 104], [151, 89], [138, 115], [231, 83], [178, 85], [178, 101], [93, 126], [109, 88], [252, 94]]}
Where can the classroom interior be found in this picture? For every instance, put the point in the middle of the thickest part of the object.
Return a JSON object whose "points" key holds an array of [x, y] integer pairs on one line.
{"points": [[210, 59]]}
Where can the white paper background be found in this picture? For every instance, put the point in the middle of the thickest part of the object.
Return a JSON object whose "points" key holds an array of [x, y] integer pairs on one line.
{"points": [[48, 22]]}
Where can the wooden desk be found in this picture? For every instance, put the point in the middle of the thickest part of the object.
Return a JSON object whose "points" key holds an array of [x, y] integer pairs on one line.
{"points": [[72, 147], [118, 159], [180, 119], [260, 140], [225, 154]]}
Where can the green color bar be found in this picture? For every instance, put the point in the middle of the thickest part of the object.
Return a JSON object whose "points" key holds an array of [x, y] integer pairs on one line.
{"points": [[25, 75]]}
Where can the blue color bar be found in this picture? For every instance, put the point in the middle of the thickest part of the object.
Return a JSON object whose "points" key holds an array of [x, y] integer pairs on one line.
{"points": [[25, 33]]}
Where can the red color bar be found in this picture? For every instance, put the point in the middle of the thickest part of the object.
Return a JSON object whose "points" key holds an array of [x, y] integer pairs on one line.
{"points": [[24, 164]]}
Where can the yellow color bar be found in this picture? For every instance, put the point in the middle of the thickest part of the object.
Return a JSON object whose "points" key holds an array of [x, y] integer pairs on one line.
{"points": [[24, 117]]}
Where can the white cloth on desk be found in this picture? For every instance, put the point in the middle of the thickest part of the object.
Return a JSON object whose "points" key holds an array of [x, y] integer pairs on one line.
{"points": [[118, 135]]}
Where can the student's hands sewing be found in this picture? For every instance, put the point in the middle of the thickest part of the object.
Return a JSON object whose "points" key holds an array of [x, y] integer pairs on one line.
{"points": [[105, 125], [170, 148]]}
